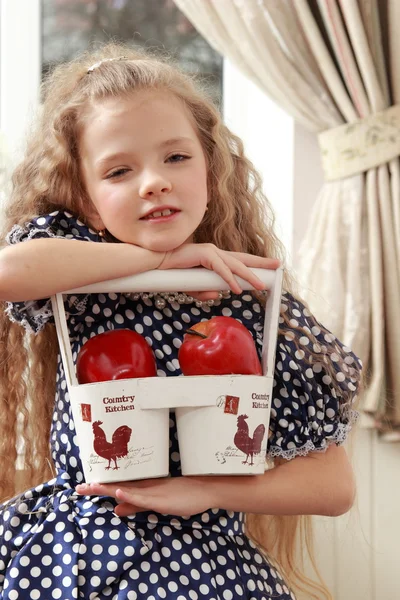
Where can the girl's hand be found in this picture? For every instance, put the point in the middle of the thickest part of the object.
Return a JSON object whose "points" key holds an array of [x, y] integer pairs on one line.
{"points": [[180, 496], [224, 263]]}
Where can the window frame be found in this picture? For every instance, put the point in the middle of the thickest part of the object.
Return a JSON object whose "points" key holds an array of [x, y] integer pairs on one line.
{"points": [[20, 70]]}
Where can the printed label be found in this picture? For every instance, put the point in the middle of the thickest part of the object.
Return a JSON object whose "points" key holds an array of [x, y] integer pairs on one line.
{"points": [[119, 403], [133, 457], [86, 411], [260, 400], [231, 405], [234, 454], [249, 444]]}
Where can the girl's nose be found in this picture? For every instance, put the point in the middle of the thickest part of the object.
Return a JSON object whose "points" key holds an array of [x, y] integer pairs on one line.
{"points": [[154, 184]]}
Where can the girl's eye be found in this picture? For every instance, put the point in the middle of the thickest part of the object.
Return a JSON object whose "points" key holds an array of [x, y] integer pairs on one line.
{"points": [[117, 173], [177, 158]]}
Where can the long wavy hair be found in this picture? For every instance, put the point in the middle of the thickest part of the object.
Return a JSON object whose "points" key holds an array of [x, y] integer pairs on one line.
{"points": [[239, 219]]}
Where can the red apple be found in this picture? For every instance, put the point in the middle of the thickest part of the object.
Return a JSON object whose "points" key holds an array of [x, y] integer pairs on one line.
{"points": [[219, 346], [118, 354]]}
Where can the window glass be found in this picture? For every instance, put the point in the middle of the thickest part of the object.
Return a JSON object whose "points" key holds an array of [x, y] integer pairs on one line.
{"points": [[70, 26]]}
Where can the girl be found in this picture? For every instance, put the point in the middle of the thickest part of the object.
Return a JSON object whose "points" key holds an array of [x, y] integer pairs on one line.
{"points": [[131, 169]]}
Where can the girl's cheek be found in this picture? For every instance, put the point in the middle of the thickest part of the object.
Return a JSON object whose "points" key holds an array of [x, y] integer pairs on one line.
{"points": [[113, 199]]}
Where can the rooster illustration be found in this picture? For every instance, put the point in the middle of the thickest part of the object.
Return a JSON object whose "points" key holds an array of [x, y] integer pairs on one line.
{"points": [[118, 448], [245, 443]]}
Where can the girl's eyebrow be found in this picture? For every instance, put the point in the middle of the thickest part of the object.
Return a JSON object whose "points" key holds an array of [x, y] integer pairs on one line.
{"points": [[175, 140], [111, 158], [121, 155]]}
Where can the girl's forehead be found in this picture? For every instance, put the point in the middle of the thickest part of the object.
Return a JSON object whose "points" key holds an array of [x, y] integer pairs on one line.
{"points": [[147, 118], [140, 114], [141, 101]]}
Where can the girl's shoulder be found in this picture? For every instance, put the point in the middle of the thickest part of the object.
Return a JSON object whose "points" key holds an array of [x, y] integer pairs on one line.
{"points": [[57, 224], [294, 307], [305, 335], [316, 382], [298, 322]]}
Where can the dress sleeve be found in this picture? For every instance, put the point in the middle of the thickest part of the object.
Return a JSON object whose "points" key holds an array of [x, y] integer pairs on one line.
{"points": [[315, 386], [34, 314]]}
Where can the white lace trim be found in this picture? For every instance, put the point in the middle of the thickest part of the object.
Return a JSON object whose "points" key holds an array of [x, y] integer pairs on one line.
{"points": [[33, 323], [338, 438], [18, 232]]}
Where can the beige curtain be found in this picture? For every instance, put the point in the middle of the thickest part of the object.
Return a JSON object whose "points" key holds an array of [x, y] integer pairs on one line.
{"points": [[329, 63]]}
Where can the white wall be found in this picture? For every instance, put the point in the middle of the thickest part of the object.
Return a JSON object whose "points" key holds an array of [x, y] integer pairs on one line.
{"points": [[268, 136], [286, 155]]}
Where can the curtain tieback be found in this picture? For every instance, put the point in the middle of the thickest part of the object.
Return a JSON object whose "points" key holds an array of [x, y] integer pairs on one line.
{"points": [[355, 147]]}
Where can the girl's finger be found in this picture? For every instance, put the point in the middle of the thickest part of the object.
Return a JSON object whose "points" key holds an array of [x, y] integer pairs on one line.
{"points": [[133, 498], [218, 264], [97, 489], [143, 502], [84, 489], [125, 509], [203, 296], [244, 272], [260, 262]]}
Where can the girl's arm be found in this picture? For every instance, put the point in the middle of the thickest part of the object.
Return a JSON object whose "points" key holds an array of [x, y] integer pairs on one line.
{"points": [[318, 484], [321, 483], [40, 268]]}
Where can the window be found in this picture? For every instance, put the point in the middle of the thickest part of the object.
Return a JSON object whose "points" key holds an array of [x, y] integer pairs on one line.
{"points": [[70, 26], [34, 34]]}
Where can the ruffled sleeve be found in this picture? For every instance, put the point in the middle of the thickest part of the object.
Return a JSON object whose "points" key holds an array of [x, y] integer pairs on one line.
{"points": [[34, 314], [314, 394]]}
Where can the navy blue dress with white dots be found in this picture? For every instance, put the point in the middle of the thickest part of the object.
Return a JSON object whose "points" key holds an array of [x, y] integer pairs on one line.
{"points": [[55, 544]]}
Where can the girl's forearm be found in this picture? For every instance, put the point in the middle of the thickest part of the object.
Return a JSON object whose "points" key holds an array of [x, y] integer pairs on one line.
{"points": [[319, 484], [40, 268]]}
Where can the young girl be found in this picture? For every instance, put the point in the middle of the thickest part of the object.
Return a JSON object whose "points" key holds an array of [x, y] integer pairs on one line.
{"points": [[131, 169]]}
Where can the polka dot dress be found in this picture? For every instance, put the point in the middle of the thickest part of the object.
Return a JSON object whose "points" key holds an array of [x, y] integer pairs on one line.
{"points": [[57, 544]]}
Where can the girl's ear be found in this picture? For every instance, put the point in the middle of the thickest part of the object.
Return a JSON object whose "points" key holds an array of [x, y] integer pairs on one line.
{"points": [[94, 219]]}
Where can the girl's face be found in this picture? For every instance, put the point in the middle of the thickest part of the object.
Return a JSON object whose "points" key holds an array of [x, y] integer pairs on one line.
{"points": [[144, 170]]}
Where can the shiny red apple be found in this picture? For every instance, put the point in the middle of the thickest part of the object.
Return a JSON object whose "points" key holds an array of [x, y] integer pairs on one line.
{"points": [[118, 354], [219, 346]]}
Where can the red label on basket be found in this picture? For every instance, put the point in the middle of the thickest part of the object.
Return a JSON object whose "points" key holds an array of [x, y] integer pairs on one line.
{"points": [[86, 412], [231, 405]]}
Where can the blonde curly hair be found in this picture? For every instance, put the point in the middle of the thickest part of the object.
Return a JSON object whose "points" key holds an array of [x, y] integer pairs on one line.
{"points": [[239, 219]]}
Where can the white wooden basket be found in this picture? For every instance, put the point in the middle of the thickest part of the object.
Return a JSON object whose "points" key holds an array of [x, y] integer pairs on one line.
{"points": [[222, 421]]}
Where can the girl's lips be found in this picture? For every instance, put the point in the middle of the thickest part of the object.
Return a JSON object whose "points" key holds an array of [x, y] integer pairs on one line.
{"points": [[161, 219]]}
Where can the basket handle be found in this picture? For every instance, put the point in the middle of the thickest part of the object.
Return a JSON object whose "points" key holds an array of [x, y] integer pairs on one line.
{"points": [[172, 280], [198, 279]]}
